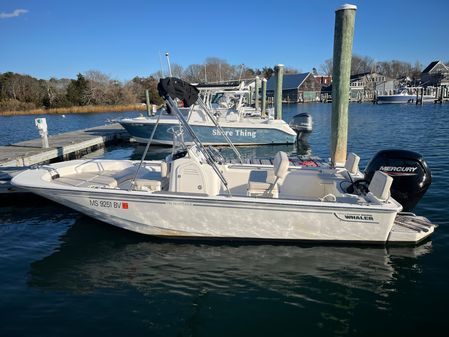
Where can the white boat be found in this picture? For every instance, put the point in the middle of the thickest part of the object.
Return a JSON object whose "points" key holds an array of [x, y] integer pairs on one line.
{"points": [[400, 98], [194, 194], [226, 106]]}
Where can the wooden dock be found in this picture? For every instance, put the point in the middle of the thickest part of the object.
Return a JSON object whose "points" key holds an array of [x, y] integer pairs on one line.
{"points": [[65, 146]]}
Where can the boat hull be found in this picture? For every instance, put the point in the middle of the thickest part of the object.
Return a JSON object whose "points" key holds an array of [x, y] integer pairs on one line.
{"points": [[210, 135], [228, 218], [395, 99]]}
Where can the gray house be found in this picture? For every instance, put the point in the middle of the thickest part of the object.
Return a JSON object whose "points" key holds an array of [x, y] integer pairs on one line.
{"points": [[296, 88], [435, 74]]}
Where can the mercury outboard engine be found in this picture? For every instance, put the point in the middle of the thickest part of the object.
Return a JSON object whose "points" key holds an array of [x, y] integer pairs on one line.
{"points": [[410, 173], [301, 123]]}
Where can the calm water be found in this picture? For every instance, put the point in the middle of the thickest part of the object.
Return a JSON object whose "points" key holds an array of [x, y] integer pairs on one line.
{"points": [[19, 128], [64, 274]]}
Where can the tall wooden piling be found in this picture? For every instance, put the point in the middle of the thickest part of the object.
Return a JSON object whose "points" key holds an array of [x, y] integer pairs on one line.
{"points": [[147, 95], [279, 73], [343, 38], [264, 96], [256, 93]]}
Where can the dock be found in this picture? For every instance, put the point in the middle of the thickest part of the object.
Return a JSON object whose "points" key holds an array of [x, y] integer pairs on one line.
{"points": [[65, 146]]}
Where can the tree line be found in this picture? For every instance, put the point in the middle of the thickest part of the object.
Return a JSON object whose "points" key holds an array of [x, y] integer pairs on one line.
{"points": [[23, 92], [394, 69]]}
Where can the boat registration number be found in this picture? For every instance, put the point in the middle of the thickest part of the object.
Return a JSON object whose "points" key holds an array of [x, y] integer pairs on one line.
{"points": [[108, 204]]}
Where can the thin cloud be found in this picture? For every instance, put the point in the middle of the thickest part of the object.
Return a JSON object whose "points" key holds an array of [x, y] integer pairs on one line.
{"points": [[13, 14]]}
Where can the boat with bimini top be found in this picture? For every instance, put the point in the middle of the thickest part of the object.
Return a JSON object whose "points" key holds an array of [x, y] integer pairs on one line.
{"points": [[193, 193], [224, 105]]}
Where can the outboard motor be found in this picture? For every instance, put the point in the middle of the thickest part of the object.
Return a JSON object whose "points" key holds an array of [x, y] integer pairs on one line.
{"points": [[301, 123], [410, 173]]}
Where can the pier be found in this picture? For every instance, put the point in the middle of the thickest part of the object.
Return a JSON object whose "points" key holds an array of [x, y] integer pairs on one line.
{"points": [[65, 146]]}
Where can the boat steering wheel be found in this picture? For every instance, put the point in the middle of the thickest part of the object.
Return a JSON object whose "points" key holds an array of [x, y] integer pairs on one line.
{"points": [[359, 187]]}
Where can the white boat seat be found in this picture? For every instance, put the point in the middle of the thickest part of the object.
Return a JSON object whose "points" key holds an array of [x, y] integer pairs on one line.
{"points": [[147, 185], [87, 179], [164, 169], [260, 182], [352, 163], [380, 185], [265, 183]]}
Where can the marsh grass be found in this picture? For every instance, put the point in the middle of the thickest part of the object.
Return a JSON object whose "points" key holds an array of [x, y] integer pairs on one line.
{"points": [[77, 110]]}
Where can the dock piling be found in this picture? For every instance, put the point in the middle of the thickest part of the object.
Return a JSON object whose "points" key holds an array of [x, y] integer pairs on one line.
{"points": [[279, 73], [41, 124], [343, 39], [264, 96], [147, 95], [256, 93]]}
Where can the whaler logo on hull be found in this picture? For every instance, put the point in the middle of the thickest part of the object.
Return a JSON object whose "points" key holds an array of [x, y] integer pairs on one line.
{"points": [[355, 217], [399, 170]]}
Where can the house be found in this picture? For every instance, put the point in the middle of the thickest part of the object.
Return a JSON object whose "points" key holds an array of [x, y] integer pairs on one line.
{"points": [[364, 86], [325, 80], [296, 88], [435, 74]]}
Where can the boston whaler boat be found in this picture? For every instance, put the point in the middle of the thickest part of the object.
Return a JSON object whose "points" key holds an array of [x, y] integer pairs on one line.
{"points": [[193, 193]]}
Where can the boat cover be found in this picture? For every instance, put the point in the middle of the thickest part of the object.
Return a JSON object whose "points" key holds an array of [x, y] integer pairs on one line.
{"points": [[176, 88]]}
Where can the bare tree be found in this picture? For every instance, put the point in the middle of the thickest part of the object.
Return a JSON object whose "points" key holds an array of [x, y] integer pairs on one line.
{"points": [[327, 67]]}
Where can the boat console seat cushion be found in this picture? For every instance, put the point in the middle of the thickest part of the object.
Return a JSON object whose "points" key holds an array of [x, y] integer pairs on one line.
{"points": [[260, 182], [352, 163], [164, 169], [380, 185], [147, 185], [281, 164]]}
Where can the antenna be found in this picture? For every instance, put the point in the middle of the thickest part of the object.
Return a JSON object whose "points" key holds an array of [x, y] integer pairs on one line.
{"points": [[168, 62], [162, 68], [241, 72]]}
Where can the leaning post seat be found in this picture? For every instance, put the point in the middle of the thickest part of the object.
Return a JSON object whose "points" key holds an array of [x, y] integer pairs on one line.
{"points": [[352, 163], [379, 187], [265, 183]]}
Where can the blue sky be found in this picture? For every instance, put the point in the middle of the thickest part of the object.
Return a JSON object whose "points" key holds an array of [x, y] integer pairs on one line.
{"points": [[46, 38]]}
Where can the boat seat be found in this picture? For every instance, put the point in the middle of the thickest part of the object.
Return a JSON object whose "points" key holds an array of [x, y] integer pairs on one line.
{"points": [[260, 182], [352, 163], [379, 187], [147, 185], [265, 183], [87, 179]]}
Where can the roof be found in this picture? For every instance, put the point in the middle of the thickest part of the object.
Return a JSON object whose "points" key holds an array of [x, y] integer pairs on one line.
{"points": [[290, 81], [430, 66]]}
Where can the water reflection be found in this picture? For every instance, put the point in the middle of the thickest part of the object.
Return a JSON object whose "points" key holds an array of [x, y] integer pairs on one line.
{"points": [[94, 255]]}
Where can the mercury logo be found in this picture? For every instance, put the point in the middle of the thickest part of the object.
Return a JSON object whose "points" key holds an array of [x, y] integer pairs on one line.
{"points": [[399, 169]]}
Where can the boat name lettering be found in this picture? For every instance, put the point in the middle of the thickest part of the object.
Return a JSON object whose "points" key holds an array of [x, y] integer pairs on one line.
{"points": [[236, 132], [362, 217], [108, 204], [398, 169]]}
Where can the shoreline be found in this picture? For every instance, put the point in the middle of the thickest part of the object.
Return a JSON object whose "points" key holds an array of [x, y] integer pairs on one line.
{"points": [[77, 110]]}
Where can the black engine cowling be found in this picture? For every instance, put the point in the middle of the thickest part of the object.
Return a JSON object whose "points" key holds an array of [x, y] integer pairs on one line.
{"points": [[410, 173]]}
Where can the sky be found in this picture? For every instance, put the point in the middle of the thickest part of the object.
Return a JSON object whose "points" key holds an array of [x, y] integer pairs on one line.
{"points": [[123, 39]]}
